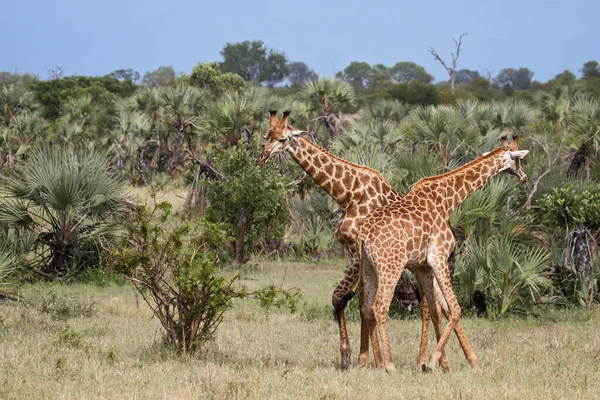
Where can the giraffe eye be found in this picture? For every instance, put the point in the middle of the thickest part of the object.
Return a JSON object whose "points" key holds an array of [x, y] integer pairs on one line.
{"points": [[282, 139]]}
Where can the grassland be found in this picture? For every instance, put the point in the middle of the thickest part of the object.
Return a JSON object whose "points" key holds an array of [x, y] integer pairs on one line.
{"points": [[90, 342]]}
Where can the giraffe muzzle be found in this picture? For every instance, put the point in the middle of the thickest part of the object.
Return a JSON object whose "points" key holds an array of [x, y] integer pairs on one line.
{"points": [[264, 157]]}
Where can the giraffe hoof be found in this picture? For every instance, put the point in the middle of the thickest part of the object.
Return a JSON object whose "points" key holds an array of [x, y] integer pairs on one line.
{"points": [[344, 365], [425, 369]]}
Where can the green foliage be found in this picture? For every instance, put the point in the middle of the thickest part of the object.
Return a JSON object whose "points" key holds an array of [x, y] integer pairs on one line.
{"points": [[253, 61], [174, 265], [415, 92], [519, 79], [208, 76], [404, 72], [570, 207], [300, 73], [161, 77], [68, 201], [103, 90], [251, 193]]}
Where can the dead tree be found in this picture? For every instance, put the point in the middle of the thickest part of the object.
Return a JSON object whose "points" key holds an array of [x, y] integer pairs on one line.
{"points": [[451, 71]]}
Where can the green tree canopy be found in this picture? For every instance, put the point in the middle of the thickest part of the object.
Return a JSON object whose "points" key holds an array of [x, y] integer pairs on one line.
{"points": [[466, 76], [253, 61], [163, 76], [408, 71], [125, 74], [590, 69], [208, 76], [519, 79], [356, 74], [300, 73]]}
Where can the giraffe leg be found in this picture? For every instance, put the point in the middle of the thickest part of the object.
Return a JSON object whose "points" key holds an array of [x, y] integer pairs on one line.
{"points": [[459, 330], [367, 291], [341, 295], [425, 319], [363, 356], [425, 279], [438, 263], [381, 307]]}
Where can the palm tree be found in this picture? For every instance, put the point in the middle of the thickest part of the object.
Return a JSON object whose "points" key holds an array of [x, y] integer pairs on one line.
{"points": [[585, 125], [147, 102], [515, 115], [67, 200], [321, 99], [181, 108], [24, 129], [14, 100], [130, 139], [444, 129], [393, 110]]}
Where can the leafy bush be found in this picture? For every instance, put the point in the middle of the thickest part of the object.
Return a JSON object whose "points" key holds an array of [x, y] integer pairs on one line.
{"points": [[174, 265], [569, 207]]}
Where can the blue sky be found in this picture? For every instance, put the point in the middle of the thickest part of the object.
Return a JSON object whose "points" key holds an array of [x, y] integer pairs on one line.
{"points": [[91, 37]]}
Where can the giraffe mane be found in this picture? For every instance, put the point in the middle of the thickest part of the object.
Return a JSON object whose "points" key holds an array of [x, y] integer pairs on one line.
{"points": [[342, 161], [458, 170]]}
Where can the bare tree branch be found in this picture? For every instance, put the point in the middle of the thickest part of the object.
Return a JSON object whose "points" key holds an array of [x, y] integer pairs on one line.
{"points": [[206, 169], [451, 71]]}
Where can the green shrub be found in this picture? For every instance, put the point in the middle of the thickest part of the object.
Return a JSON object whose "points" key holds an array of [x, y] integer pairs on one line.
{"points": [[174, 264]]}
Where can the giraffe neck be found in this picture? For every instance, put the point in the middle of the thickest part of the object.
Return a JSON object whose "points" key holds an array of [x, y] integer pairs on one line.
{"points": [[337, 177], [456, 186]]}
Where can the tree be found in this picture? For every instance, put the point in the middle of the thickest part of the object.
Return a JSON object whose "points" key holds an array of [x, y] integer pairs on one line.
{"points": [[451, 70], [208, 76], [466, 76], [254, 62], [300, 73], [251, 200], [125, 74], [9, 78], [565, 78], [379, 77], [181, 107], [323, 98], [519, 79], [161, 77], [356, 74], [405, 72], [103, 90], [415, 93], [590, 69], [68, 200]]}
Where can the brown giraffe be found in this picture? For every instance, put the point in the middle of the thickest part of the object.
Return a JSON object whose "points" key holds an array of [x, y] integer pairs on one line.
{"points": [[414, 233], [357, 190]]}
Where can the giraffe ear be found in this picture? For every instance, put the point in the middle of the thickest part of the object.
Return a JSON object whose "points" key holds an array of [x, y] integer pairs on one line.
{"points": [[518, 154], [296, 132]]}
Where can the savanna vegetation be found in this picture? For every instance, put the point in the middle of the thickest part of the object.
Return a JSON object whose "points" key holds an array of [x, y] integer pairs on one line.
{"points": [[87, 164]]}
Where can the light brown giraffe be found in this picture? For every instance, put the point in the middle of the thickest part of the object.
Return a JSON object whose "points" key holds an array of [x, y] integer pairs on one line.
{"points": [[358, 190], [413, 233]]}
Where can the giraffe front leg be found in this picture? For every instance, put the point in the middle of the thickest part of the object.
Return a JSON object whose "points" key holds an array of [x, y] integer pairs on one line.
{"points": [[367, 292], [440, 268], [425, 319], [425, 279]]}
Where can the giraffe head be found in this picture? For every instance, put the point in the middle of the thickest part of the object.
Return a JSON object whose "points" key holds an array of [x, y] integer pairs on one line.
{"points": [[513, 158], [280, 136]]}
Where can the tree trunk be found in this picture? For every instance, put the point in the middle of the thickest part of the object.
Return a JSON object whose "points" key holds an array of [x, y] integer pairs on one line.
{"points": [[174, 161], [142, 165], [239, 241]]}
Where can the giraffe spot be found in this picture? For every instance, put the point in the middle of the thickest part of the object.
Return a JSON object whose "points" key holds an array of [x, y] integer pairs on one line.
{"points": [[310, 170], [339, 171], [328, 169], [317, 162]]}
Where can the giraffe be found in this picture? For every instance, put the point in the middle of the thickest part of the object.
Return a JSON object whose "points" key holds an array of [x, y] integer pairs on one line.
{"points": [[357, 190], [413, 233]]}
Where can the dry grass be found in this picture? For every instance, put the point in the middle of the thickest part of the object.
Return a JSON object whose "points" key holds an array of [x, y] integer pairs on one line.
{"points": [[115, 352]]}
